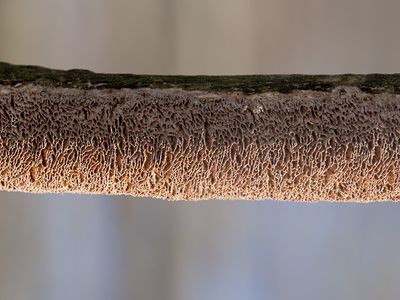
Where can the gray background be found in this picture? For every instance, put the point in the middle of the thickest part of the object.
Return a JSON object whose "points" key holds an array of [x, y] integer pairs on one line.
{"points": [[100, 247]]}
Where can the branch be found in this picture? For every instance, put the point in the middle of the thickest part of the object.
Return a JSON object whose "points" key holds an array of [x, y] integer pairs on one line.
{"points": [[286, 137]]}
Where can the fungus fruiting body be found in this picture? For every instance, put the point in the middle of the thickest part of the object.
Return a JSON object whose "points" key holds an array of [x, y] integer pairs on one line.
{"points": [[297, 138]]}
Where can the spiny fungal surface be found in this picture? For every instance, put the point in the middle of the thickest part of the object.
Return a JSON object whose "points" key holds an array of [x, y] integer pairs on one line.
{"points": [[339, 145]]}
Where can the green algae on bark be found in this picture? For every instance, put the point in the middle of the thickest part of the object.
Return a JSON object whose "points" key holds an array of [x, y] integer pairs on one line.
{"points": [[248, 84]]}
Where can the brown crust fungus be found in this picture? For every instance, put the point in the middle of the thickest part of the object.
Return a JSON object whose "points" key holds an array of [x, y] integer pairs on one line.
{"points": [[323, 138]]}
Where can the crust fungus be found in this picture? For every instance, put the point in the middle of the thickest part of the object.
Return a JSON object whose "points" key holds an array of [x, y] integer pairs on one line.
{"points": [[295, 137]]}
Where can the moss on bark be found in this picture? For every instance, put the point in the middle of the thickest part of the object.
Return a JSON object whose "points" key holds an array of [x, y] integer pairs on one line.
{"points": [[248, 84]]}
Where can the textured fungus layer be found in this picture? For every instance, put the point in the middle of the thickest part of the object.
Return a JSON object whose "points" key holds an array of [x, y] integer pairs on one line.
{"points": [[339, 145]]}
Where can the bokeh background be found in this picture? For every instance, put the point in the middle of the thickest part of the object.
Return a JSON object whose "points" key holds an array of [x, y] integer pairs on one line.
{"points": [[102, 247]]}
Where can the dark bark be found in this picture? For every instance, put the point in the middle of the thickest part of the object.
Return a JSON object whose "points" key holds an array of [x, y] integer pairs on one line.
{"points": [[248, 84]]}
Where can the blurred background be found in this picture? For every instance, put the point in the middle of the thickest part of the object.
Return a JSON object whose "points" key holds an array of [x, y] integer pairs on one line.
{"points": [[102, 247]]}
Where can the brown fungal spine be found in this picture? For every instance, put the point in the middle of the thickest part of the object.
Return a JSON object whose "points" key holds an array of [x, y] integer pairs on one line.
{"points": [[296, 137]]}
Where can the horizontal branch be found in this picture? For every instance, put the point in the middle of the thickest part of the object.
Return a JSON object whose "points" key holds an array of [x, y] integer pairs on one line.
{"points": [[285, 137]]}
